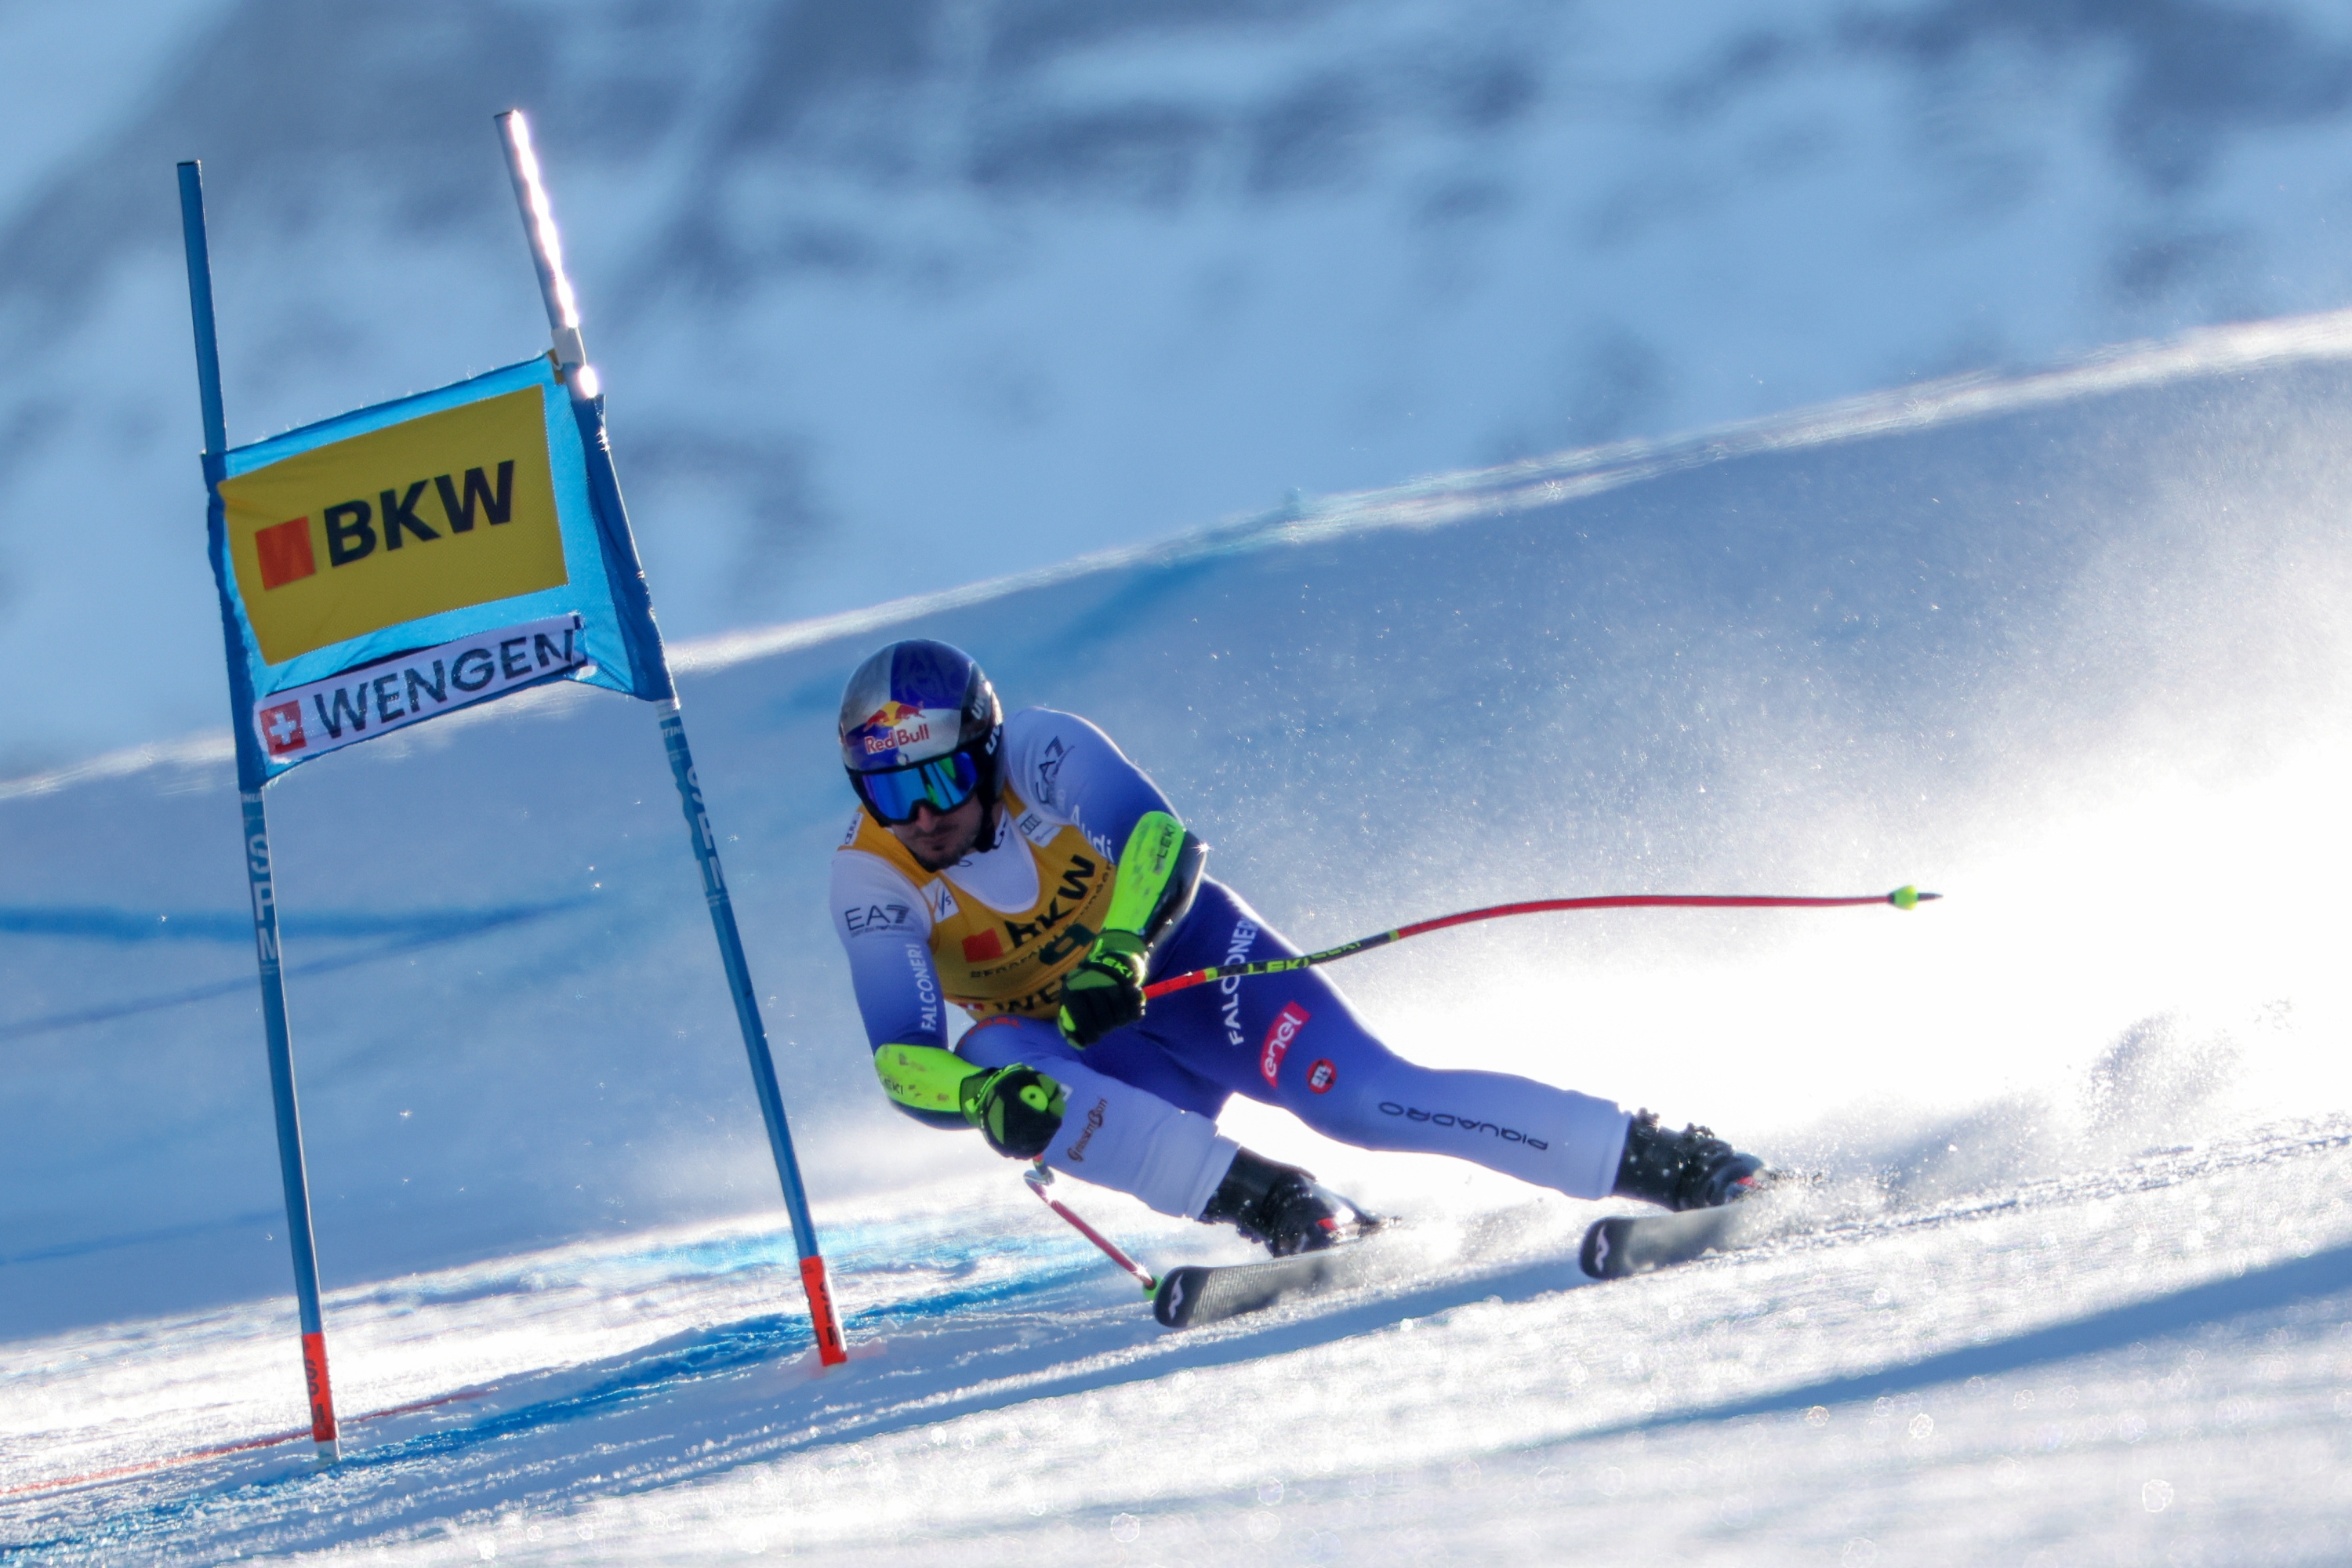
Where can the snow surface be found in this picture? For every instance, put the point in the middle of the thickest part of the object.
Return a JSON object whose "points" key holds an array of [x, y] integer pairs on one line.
{"points": [[1007, 281], [2068, 649], [2148, 1364]]}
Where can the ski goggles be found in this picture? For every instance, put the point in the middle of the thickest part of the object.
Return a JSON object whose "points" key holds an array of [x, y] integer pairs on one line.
{"points": [[942, 783]]}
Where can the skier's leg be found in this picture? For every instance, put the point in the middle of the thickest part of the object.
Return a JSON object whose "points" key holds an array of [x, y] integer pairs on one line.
{"points": [[1117, 1132], [1114, 1132], [1370, 1096], [1292, 1040]]}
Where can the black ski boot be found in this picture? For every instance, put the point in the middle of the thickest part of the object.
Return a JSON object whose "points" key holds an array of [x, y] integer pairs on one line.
{"points": [[1280, 1205], [1692, 1168]]}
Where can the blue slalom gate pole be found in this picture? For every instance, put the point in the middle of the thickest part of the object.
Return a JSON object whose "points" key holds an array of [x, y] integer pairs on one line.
{"points": [[290, 1168], [629, 580]]}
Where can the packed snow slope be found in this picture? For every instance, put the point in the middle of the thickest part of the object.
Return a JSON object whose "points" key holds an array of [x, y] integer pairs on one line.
{"points": [[2069, 649], [1008, 280]]}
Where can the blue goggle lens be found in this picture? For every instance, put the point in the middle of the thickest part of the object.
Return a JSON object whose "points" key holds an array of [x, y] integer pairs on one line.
{"points": [[942, 785]]}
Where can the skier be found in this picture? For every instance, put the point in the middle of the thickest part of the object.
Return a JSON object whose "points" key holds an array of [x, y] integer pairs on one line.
{"points": [[1026, 872]]}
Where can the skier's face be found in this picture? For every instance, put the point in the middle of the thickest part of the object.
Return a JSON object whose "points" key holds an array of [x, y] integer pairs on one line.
{"points": [[938, 840]]}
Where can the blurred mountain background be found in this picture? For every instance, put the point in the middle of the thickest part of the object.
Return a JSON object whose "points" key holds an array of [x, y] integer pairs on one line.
{"points": [[898, 295]]}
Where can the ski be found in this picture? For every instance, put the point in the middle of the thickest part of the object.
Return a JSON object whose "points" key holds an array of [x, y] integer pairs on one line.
{"points": [[1207, 1294], [1625, 1245]]}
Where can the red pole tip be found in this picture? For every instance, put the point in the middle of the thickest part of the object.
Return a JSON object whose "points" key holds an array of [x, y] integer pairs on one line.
{"points": [[322, 1398], [830, 1350]]}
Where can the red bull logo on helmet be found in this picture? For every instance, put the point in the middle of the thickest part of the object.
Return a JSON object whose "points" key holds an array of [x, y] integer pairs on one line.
{"points": [[899, 732]]}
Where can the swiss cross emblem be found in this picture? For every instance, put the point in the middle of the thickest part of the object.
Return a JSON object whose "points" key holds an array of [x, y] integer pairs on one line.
{"points": [[281, 726]]}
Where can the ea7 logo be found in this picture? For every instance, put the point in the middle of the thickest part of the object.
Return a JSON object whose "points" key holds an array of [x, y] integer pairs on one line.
{"points": [[1287, 1025], [1049, 771], [874, 917]]}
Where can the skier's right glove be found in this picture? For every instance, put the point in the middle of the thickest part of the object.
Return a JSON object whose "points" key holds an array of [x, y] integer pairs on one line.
{"points": [[1017, 1109], [1105, 991]]}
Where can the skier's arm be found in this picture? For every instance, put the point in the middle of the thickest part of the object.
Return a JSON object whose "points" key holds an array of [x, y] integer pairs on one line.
{"points": [[1072, 770], [884, 929], [1157, 872], [1017, 1109]]}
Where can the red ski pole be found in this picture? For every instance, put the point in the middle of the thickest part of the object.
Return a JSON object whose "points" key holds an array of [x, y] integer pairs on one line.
{"points": [[1037, 1176], [1903, 898]]}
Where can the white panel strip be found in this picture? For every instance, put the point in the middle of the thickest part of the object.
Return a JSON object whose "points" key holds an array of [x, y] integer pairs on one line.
{"points": [[305, 721]]}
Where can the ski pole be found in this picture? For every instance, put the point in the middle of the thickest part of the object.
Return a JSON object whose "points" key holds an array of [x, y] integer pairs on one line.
{"points": [[1037, 1176], [1903, 898]]}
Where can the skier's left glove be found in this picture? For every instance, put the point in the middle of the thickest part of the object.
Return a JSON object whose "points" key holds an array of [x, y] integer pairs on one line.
{"points": [[1157, 872], [1105, 991], [1017, 1109]]}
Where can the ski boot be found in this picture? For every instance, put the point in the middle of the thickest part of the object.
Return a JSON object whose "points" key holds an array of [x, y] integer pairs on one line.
{"points": [[1692, 1168], [1282, 1207]]}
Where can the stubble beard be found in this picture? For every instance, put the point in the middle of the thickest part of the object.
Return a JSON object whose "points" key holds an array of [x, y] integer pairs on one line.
{"points": [[941, 862], [957, 847]]}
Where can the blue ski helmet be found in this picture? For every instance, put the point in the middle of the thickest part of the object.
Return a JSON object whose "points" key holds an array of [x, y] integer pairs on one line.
{"points": [[920, 724]]}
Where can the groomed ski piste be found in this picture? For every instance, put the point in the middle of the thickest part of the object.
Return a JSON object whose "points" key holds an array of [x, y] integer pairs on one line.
{"points": [[2078, 1139]]}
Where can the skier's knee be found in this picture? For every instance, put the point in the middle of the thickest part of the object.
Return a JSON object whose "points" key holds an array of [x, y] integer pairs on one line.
{"points": [[1344, 1117]]}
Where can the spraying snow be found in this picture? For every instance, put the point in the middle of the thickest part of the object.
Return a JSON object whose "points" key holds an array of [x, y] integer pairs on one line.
{"points": [[2066, 652]]}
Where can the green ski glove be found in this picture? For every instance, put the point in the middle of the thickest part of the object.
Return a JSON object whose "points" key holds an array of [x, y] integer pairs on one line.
{"points": [[1017, 1109], [1105, 991]]}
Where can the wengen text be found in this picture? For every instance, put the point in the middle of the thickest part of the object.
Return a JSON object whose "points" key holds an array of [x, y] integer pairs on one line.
{"points": [[360, 704]]}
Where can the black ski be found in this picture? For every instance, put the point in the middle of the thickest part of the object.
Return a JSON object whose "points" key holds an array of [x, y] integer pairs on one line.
{"points": [[1200, 1293], [1622, 1245]]}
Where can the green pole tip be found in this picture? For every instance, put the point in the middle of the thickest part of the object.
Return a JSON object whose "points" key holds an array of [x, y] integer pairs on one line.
{"points": [[1906, 897]]}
